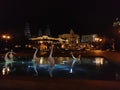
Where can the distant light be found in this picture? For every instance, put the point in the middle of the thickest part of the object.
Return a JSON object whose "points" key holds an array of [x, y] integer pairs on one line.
{"points": [[100, 39], [6, 36], [63, 46], [28, 46], [17, 46], [97, 39], [40, 41]]}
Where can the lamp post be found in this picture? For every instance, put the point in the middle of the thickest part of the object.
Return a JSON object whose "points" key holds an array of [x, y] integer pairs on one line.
{"points": [[6, 37]]}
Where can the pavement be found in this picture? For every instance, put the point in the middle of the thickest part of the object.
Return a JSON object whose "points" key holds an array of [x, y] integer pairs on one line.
{"points": [[35, 83]]}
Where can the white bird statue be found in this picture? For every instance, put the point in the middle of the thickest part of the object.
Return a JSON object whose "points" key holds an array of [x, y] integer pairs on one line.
{"points": [[9, 58], [74, 60], [34, 60], [51, 61]]}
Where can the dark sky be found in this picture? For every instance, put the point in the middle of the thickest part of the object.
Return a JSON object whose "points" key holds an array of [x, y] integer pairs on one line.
{"points": [[83, 16]]}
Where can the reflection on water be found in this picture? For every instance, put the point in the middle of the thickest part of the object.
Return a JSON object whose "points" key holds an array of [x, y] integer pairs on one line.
{"points": [[94, 60], [41, 60], [5, 70], [86, 67], [6, 67], [98, 61], [58, 60]]}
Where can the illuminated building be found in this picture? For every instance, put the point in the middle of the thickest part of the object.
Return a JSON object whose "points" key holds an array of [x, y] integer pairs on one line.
{"points": [[88, 38], [86, 41], [91, 41], [65, 41], [45, 41], [72, 40]]}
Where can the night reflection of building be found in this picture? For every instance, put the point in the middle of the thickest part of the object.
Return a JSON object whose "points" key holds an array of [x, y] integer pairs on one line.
{"points": [[72, 40], [93, 61]]}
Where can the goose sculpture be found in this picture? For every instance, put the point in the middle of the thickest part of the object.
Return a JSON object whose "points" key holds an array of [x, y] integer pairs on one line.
{"points": [[51, 61], [9, 58], [34, 60], [74, 61]]}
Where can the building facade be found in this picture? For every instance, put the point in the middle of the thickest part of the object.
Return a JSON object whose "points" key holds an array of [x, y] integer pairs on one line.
{"points": [[72, 40], [43, 42], [92, 41], [88, 38]]}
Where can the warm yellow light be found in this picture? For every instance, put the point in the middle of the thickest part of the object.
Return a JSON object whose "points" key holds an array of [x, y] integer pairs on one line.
{"points": [[41, 60], [17, 46], [99, 61], [100, 39], [6, 36], [29, 46], [62, 46], [96, 39]]}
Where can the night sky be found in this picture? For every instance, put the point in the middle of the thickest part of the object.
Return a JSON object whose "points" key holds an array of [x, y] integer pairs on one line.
{"points": [[83, 16]]}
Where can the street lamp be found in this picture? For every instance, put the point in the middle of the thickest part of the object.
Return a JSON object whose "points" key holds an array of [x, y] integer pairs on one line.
{"points": [[6, 37]]}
